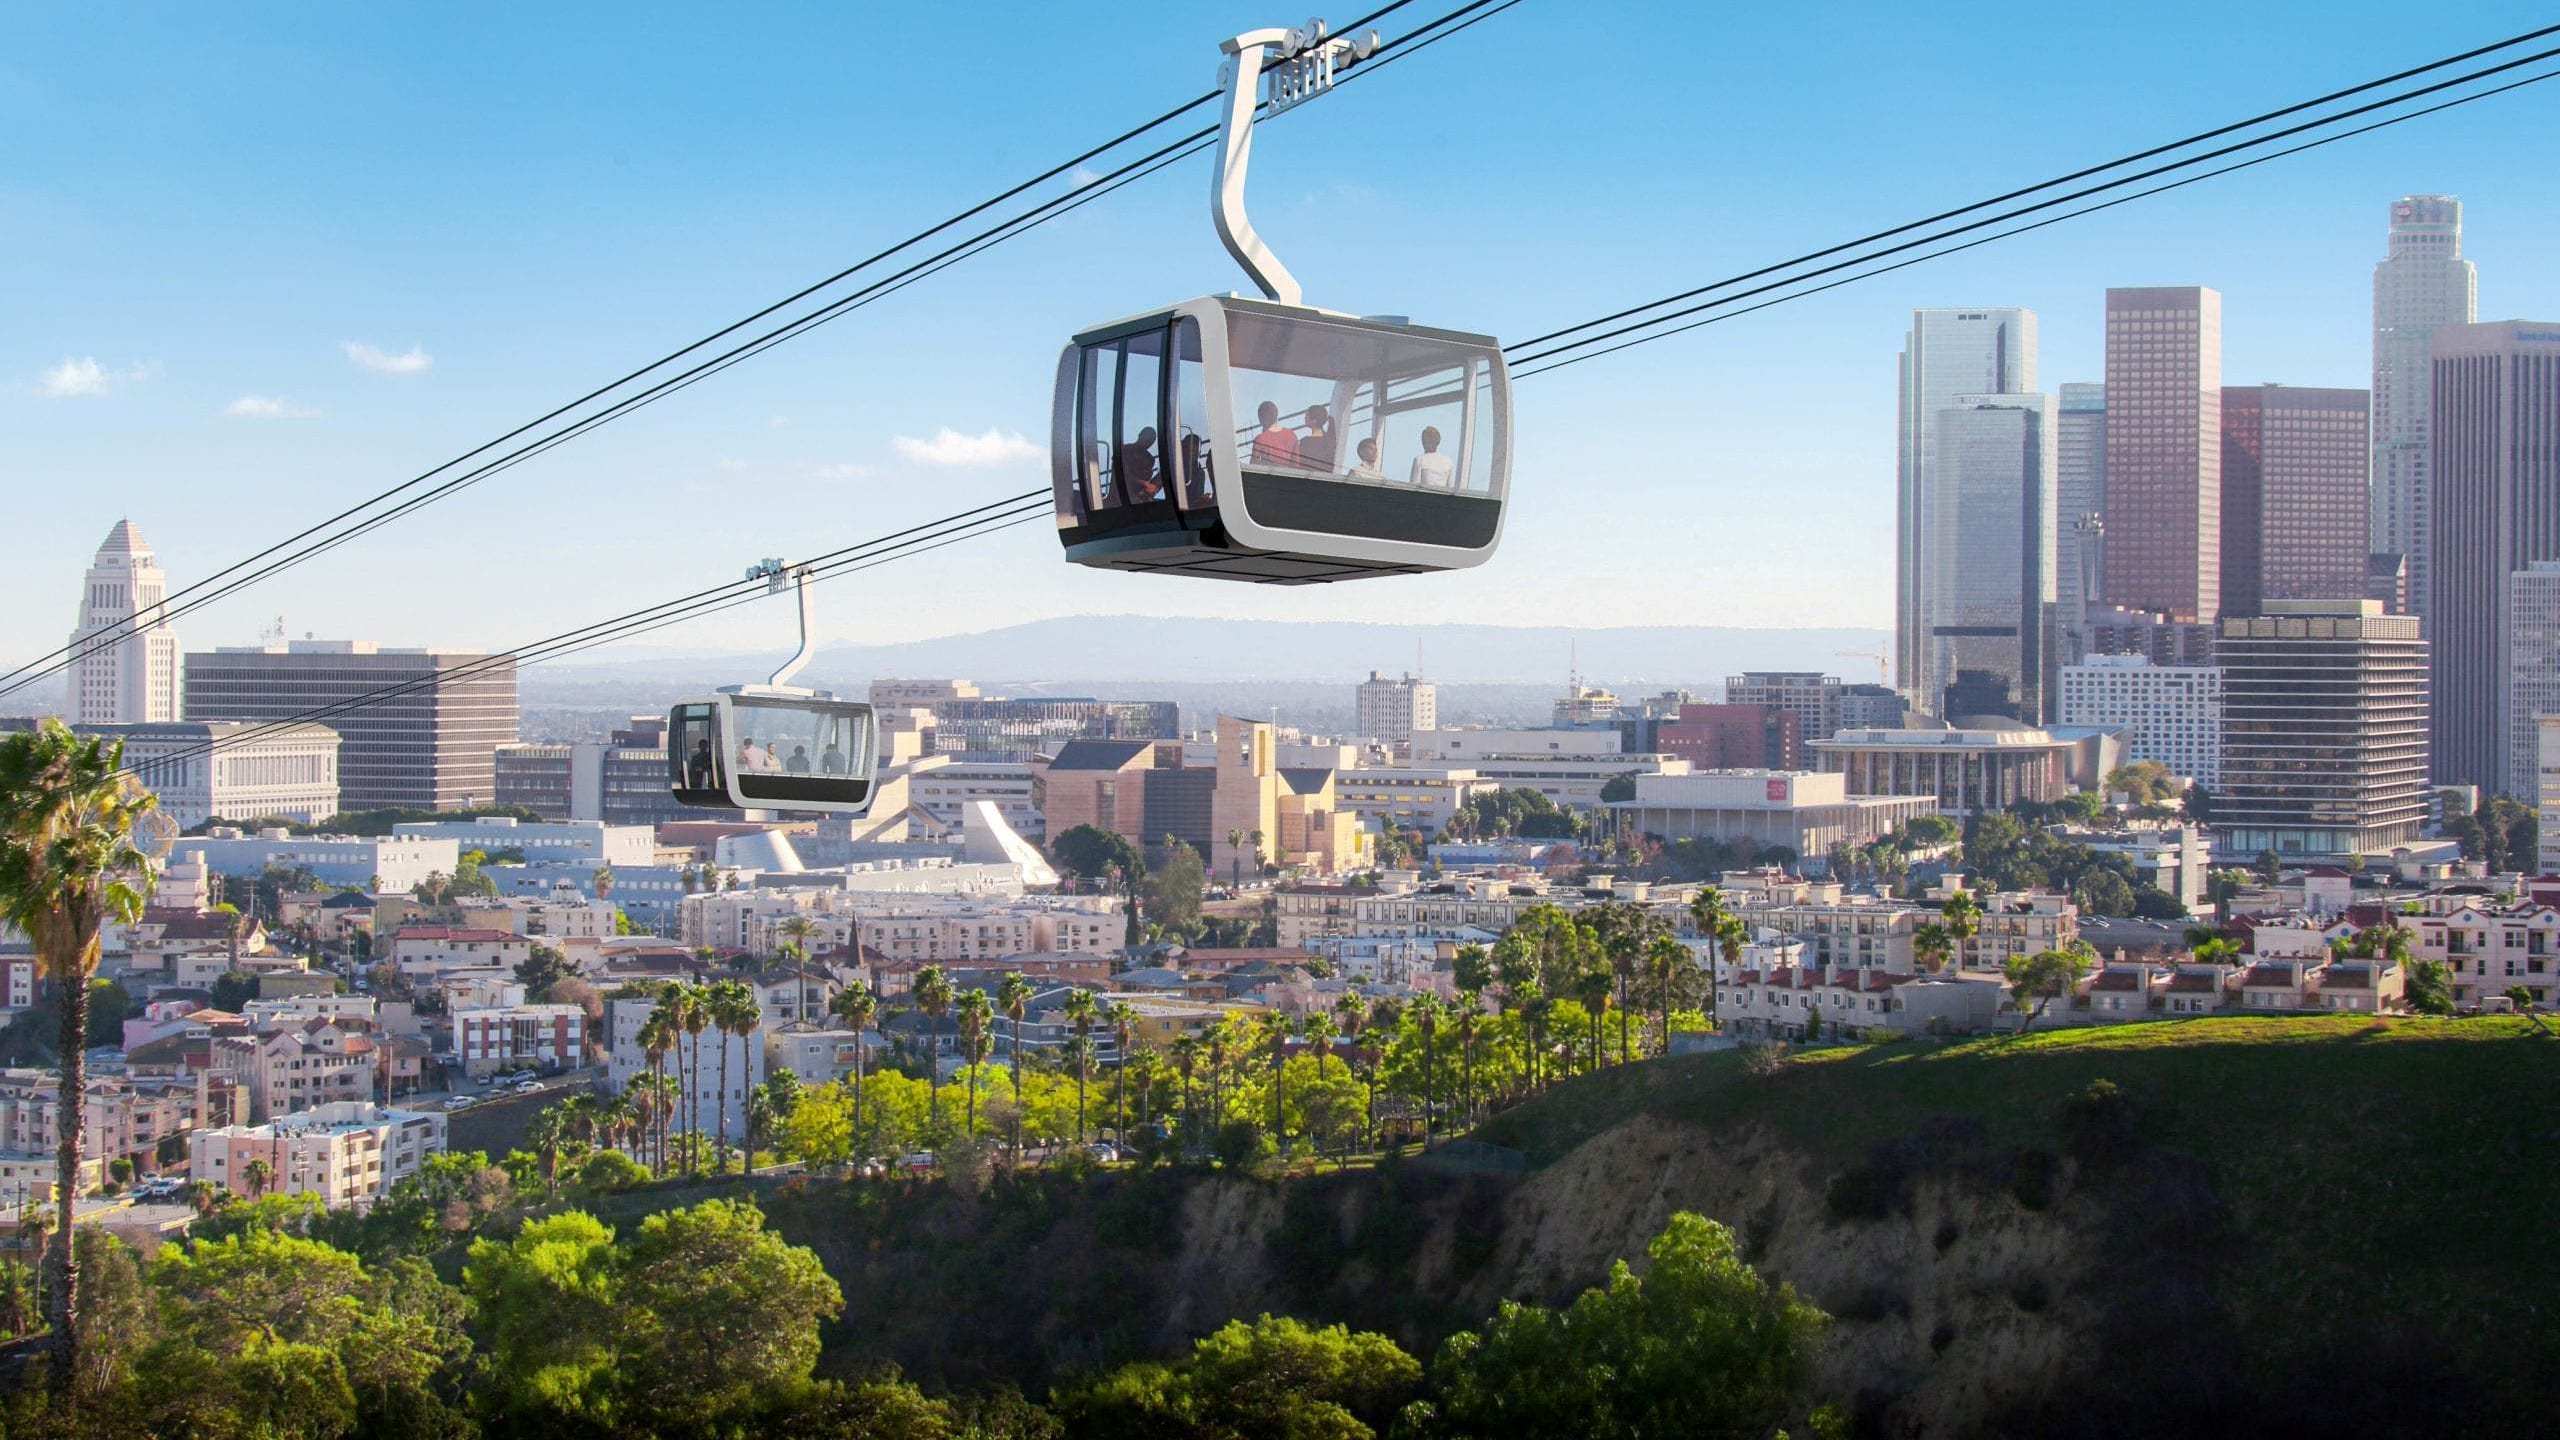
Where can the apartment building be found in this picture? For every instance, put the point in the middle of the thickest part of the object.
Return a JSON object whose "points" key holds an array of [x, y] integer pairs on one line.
{"points": [[348, 1153], [296, 1067], [2487, 949], [492, 1040], [422, 950]]}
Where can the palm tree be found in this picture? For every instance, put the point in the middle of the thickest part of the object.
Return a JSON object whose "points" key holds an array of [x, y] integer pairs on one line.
{"points": [[1276, 1028], [1081, 1010], [692, 1005], [1664, 956], [1013, 997], [69, 863], [1962, 917], [545, 1135], [1379, 1019], [204, 1197], [1254, 839], [932, 995], [255, 1176], [977, 1020], [1122, 1021], [798, 931], [1426, 1018], [1592, 989], [657, 1037], [856, 1006], [1626, 951], [1235, 859], [1470, 1015], [1186, 1054], [1931, 944], [735, 1013]]}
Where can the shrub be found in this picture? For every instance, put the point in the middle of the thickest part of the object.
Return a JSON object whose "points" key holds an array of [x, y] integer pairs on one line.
{"points": [[1762, 1058], [2100, 1123]]}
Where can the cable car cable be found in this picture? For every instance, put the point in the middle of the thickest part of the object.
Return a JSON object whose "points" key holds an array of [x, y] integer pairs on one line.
{"points": [[55, 661], [2135, 158]]}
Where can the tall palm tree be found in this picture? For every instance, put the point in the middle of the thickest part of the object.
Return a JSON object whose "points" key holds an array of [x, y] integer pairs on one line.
{"points": [[1013, 997], [1275, 1030], [1380, 1019], [1664, 956], [977, 1020], [1186, 1054], [1122, 1021], [932, 995], [735, 1013], [255, 1176], [69, 863], [1962, 917], [657, 1037], [1254, 839], [1081, 1010], [1235, 859], [799, 930], [546, 1134], [692, 1006], [1426, 1018], [1591, 987], [857, 1007], [1470, 1016]]}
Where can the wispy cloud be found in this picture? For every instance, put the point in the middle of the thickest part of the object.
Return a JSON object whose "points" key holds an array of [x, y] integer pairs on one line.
{"points": [[268, 407], [950, 447], [842, 470], [413, 361], [80, 376], [1082, 176]]}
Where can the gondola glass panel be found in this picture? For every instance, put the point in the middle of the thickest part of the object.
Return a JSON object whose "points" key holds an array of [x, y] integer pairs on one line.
{"points": [[693, 756], [792, 752]]}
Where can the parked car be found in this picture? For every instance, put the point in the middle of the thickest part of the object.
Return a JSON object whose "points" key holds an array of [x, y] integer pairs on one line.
{"points": [[458, 1102], [527, 1087], [917, 1163]]}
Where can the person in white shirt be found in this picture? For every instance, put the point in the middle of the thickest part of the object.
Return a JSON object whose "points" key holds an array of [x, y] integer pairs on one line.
{"points": [[1431, 469], [1368, 468]]}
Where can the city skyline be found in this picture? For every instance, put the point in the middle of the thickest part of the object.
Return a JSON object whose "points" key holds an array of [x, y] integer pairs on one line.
{"points": [[407, 366]]}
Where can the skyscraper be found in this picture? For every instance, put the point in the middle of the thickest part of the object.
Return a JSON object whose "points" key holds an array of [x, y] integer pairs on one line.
{"points": [[2324, 730], [2493, 474], [2533, 672], [1993, 574], [2421, 285], [432, 745], [2164, 451], [1947, 353], [2080, 488], [2294, 462], [124, 656]]}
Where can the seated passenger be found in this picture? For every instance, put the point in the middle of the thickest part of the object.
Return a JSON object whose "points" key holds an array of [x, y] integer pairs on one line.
{"points": [[1315, 448], [798, 764], [1195, 466], [831, 760], [1277, 444], [697, 769], [1369, 468], [1138, 468], [1431, 469]]}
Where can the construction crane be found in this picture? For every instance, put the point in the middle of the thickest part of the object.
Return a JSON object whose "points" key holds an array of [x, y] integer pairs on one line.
{"points": [[1883, 659]]}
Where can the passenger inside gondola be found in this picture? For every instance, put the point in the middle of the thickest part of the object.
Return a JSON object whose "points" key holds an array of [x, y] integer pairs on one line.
{"points": [[1368, 468], [1315, 448], [1277, 444], [1431, 469], [1138, 468], [699, 767], [798, 764], [831, 760]]}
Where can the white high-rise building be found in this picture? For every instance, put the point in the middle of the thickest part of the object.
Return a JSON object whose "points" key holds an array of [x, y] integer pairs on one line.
{"points": [[2547, 791], [124, 657], [1992, 579], [2174, 711], [2533, 671], [1947, 354], [1392, 710], [2422, 283], [2080, 489]]}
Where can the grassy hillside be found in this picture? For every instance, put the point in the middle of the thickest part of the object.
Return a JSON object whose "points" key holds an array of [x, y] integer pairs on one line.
{"points": [[2274, 1227]]}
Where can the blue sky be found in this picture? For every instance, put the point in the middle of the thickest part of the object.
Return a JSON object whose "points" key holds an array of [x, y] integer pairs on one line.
{"points": [[507, 204]]}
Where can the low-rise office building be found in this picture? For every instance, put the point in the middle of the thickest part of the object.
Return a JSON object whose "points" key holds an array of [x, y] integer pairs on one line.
{"points": [[1801, 811], [347, 1153]]}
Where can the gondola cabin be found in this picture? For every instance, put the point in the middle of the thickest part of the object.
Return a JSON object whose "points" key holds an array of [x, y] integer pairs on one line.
{"points": [[1241, 439], [768, 747]]}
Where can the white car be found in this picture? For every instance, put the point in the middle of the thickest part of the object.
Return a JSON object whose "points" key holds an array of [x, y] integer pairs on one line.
{"points": [[528, 1087], [459, 1101]]}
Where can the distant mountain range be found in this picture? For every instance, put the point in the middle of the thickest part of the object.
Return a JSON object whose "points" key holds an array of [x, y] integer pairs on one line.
{"points": [[1081, 653]]}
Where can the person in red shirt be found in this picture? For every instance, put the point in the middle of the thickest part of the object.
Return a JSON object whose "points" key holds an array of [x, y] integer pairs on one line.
{"points": [[1277, 444]]}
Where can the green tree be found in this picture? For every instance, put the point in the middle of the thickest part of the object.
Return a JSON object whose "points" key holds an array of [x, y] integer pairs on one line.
{"points": [[541, 970], [1174, 883], [1700, 1346], [857, 1007], [1013, 997], [2044, 977], [548, 1305], [2430, 988], [1616, 788], [1093, 852], [1961, 916], [69, 863], [2105, 893], [977, 1024], [2270, 868], [932, 994], [1266, 1379], [716, 1311]]}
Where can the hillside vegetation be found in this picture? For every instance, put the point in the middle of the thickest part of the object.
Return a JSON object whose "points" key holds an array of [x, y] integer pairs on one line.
{"points": [[2252, 1226]]}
